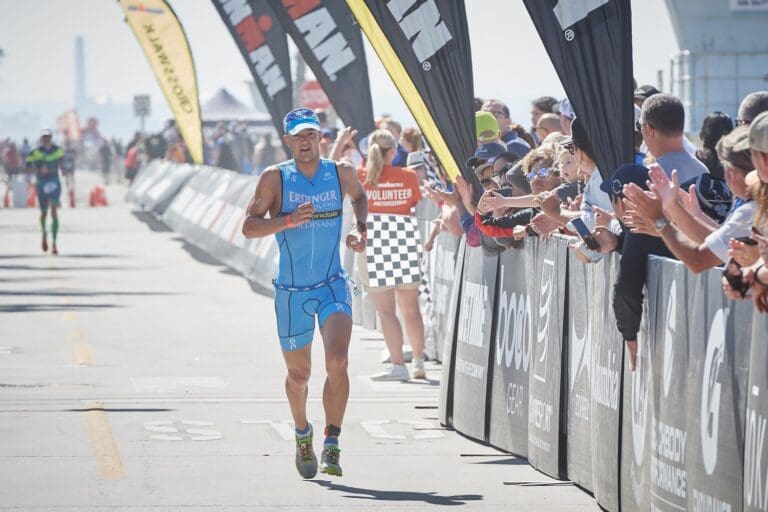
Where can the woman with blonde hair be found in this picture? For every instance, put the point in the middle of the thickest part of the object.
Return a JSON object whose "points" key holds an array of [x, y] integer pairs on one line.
{"points": [[394, 191]]}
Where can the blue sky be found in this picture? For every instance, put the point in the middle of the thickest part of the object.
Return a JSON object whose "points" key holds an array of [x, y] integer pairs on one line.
{"points": [[38, 38]]}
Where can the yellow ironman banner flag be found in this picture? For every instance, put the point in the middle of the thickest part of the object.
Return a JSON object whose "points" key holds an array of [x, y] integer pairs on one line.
{"points": [[405, 85], [162, 38]]}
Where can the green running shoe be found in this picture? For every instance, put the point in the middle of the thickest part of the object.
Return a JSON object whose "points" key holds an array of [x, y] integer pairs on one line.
{"points": [[306, 462], [329, 460]]}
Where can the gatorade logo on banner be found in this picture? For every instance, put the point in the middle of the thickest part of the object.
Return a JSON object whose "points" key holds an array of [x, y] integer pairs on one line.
{"points": [[325, 33], [669, 338], [545, 312], [711, 387], [264, 46], [641, 382], [422, 26], [582, 352]]}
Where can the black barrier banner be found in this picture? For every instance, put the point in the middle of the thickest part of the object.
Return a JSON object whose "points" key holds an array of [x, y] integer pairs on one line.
{"points": [[264, 45], [606, 385], [448, 334], [332, 45], [756, 440], [637, 412], [672, 359], [443, 275], [548, 278], [512, 356], [424, 46], [717, 395], [590, 45], [473, 343], [579, 348]]}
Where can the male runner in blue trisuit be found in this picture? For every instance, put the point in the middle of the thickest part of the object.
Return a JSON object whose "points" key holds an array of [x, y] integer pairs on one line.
{"points": [[304, 199]]}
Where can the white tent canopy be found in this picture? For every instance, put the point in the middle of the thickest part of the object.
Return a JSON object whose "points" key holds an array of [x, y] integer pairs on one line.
{"points": [[222, 106]]}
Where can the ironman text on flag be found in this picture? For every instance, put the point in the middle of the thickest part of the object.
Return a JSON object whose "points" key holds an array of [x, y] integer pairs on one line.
{"points": [[316, 25], [422, 26], [252, 35]]}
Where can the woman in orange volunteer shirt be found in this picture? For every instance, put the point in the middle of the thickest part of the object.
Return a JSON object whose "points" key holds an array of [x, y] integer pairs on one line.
{"points": [[393, 190]]}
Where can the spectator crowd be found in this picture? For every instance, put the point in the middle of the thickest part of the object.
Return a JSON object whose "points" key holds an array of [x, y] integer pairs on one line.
{"points": [[704, 203]]}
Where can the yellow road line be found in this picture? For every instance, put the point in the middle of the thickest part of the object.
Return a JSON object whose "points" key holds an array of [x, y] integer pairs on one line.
{"points": [[76, 335], [81, 354], [104, 447]]}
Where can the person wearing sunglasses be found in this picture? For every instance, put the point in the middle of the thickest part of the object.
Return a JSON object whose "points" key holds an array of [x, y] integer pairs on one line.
{"points": [[580, 148]]}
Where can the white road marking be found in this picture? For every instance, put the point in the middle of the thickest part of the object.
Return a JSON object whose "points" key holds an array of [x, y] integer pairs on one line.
{"points": [[425, 429], [195, 434], [284, 428], [174, 384], [375, 429]]}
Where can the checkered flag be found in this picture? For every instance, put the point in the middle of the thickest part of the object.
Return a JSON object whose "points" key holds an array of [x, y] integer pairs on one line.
{"points": [[393, 250]]}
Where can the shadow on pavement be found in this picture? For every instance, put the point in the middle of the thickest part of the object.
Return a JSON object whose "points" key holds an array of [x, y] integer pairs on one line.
{"points": [[151, 221], [508, 461], [61, 269], [60, 256], [75, 293], [44, 308], [431, 498]]}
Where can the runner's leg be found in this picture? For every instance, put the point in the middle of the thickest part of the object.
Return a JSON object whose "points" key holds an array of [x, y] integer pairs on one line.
{"points": [[54, 226], [299, 364], [43, 221], [336, 332]]}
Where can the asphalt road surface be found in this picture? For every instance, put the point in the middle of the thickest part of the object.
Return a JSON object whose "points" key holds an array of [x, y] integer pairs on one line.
{"points": [[138, 374]]}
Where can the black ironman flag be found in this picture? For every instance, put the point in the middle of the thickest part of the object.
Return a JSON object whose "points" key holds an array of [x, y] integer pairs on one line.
{"points": [[264, 45], [590, 44], [424, 46], [332, 45]]}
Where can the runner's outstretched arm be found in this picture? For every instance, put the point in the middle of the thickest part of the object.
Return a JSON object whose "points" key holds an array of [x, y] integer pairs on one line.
{"points": [[354, 189], [265, 200]]}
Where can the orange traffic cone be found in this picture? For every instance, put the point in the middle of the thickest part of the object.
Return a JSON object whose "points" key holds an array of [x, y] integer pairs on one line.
{"points": [[71, 198], [7, 198], [97, 197], [32, 196]]}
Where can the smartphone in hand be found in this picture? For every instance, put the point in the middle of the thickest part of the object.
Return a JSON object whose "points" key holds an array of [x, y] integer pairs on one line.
{"points": [[586, 235]]}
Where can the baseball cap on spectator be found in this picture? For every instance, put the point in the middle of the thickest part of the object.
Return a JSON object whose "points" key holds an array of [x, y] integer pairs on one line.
{"points": [[485, 156], [487, 128], [622, 176], [518, 147], [566, 109], [579, 139], [758, 135], [329, 133], [46, 132], [516, 177], [714, 196], [300, 119], [646, 91], [416, 159]]}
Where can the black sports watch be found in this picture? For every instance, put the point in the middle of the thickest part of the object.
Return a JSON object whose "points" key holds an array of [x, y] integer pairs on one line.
{"points": [[362, 227]]}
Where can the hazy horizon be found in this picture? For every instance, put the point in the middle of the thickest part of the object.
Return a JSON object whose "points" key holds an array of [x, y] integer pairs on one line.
{"points": [[37, 71]]}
